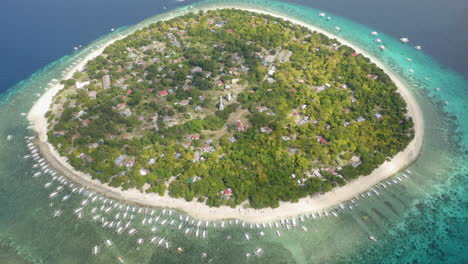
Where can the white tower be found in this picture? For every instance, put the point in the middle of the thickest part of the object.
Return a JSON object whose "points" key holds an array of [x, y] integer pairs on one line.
{"points": [[221, 105]]}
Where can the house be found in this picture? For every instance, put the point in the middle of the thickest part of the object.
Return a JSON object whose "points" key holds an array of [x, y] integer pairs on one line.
{"points": [[143, 172], [92, 94], [126, 112], [120, 106], [106, 81], [232, 139], [286, 138], [184, 102], [193, 136], [266, 130], [227, 192], [118, 161], [361, 119], [355, 161], [320, 88], [354, 54], [373, 76], [378, 115], [262, 109], [80, 85], [322, 140], [129, 92], [196, 69], [163, 93], [240, 126]]}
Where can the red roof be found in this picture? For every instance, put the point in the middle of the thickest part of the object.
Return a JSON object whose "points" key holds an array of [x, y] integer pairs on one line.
{"points": [[323, 141], [121, 105], [354, 54], [86, 121], [129, 91], [293, 90], [228, 191], [229, 31], [163, 93]]}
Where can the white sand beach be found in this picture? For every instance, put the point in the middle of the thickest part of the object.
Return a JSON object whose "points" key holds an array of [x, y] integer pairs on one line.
{"points": [[200, 211]]}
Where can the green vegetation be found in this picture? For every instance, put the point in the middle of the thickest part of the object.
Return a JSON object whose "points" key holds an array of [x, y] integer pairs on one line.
{"points": [[300, 113]]}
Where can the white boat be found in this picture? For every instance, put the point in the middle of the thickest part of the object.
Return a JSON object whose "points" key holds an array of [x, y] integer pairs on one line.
{"points": [[373, 238], [322, 14], [304, 228], [246, 236], [404, 40], [337, 28], [374, 33], [57, 213], [95, 250], [258, 252], [37, 174], [53, 194], [328, 18], [378, 40], [161, 241], [140, 241], [112, 29], [108, 243], [335, 214], [382, 47], [132, 231], [197, 232], [418, 47], [278, 233], [47, 185], [153, 239]]}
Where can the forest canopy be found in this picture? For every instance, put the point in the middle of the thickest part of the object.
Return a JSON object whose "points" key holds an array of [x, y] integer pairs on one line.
{"points": [[228, 106]]}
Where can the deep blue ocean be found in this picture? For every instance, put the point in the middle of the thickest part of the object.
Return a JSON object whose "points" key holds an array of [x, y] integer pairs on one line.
{"points": [[422, 219]]}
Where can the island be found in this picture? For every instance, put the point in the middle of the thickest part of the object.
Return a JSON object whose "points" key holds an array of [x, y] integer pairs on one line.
{"points": [[228, 107]]}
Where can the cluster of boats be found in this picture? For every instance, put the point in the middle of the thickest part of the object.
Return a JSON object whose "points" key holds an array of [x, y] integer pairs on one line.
{"points": [[129, 219], [382, 47]]}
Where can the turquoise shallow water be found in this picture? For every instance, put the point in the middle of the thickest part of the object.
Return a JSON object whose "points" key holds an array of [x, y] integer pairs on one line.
{"points": [[422, 219]]}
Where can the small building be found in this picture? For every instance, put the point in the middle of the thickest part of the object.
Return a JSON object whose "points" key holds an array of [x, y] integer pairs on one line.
{"points": [[286, 138], [266, 130], [360, 119], [322, 140], [240, 126], [377, 115], [163, 93], [373, 76], [227, 192], [106, 81], [80, 85], [354, 54], [92, 94], [126, 112]]}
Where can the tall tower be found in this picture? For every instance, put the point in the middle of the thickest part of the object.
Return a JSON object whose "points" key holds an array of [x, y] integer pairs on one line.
{"points": [[221, 105]]}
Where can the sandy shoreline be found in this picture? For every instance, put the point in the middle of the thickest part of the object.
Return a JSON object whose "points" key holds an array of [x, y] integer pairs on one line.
{"points": [[201, 211]]}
